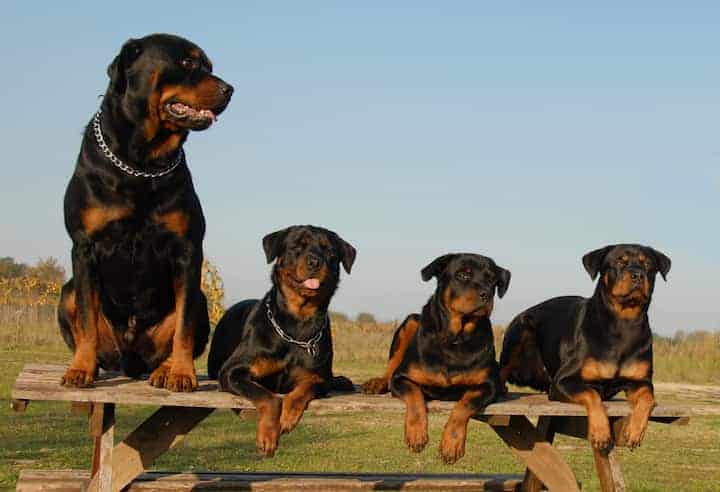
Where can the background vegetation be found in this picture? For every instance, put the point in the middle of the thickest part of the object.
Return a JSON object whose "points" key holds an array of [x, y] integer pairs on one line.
{"points": [[47, 436]]}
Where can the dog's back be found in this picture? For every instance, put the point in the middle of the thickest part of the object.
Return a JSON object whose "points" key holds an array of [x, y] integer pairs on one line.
{"points": [[531, 346], [228, 335]]}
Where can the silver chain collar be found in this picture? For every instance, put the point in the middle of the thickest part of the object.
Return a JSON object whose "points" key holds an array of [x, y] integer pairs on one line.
{"points": [[97, 129], [310, 346]]}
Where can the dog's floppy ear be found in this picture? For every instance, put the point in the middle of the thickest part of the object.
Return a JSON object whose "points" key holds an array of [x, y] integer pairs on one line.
{"points": [[503, 280], [272, 243], [593, 260], [129, 52], [662, 261], [347, 253], [436, 267]]}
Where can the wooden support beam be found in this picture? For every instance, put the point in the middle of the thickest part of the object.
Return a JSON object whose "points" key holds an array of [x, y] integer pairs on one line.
{"points": [[609, 472], [161, 431], [531, 482], [81, 408], [528, 444], [496, 420], [102, 427], [20, 405]]}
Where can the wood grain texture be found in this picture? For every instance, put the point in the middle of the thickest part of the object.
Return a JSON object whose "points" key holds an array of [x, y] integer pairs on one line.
{"points": [[102, 428], [160, 432], [609, 472], [530, 446], [74, 481], [545, 427], [41, 382]]}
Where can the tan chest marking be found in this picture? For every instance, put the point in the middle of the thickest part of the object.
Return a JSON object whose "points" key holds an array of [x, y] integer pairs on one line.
{"points": [[96, 218], [176, 221], [263, 366], [439, 379], [596, 370]]}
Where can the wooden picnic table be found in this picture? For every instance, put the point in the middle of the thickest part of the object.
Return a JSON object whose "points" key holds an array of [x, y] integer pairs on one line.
{"points": [[116, 466]]}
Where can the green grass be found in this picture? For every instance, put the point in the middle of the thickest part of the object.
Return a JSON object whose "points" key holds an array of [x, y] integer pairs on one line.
{"points": [[47, 436]]}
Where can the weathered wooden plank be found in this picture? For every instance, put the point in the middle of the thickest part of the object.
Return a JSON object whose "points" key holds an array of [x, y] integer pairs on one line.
{"points": [[102, 427], [80, 408], [20, 405], [528, 444], [609, 472], [546, 428], [161, 431], [41, 382], [74, 481]]}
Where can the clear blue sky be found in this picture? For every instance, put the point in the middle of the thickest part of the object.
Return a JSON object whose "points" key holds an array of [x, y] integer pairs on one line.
{"points": [[531, 134]]}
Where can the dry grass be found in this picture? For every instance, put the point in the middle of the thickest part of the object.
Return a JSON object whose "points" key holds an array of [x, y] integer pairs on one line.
{"points": [[684, 358], [361, 347]]}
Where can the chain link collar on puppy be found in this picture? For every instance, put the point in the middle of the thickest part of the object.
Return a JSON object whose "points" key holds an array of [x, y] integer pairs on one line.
{"points": [[310, 346], [97, 129]]}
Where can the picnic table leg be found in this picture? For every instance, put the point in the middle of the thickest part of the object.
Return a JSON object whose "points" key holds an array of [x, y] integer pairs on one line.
{"points": [[528, 444], [609, 472], [161, 431], [102, 428], [531, 483]]}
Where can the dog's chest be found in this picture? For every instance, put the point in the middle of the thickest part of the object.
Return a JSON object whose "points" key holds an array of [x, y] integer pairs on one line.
{"points": [[134, 255], [603, 370]]}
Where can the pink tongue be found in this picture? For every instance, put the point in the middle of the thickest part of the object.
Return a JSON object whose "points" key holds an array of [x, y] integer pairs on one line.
{"points": [[312, 283]]}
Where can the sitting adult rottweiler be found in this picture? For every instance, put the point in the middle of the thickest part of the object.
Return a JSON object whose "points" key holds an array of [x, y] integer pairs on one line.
{"points": [[447, 351], [134, 301], [282, 343], [587, 350]]}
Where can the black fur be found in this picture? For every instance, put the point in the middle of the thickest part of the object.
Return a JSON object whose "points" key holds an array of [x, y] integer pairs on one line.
{"points": [[125, 249]]}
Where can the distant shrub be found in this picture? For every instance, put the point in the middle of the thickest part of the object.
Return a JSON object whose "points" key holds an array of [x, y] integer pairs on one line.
{"points": [[365, 318]]}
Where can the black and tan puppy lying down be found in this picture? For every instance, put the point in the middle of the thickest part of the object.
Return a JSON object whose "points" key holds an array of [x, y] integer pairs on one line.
{"points": [[446, 352], [586, 350], [282, 342]]}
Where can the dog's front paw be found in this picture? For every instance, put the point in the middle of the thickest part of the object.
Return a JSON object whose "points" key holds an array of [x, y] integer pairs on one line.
{"points": [[268, 428], [599, 434], [452, 445], [159, 376], [635, 432], [416, 435], [375, 386], [78, 378], [290, 416], [184, 382]]}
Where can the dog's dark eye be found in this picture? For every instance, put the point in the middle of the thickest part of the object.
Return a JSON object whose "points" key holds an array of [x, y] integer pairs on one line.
{"points": [[620, 262], [189, 64]]}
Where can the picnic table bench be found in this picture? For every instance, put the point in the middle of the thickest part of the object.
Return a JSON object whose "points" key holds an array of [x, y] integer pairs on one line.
{"points": [[116, 466]]}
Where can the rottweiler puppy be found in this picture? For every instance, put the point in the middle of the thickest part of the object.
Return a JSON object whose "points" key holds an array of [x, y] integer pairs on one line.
{"points": [[282, 342], [587, 350], [447, 351], [134, 301]]}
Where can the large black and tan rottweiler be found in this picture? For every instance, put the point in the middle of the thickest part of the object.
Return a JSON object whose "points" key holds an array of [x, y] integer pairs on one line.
{"points": [[587, 350], [447, 351], [282, 342], [134, 301]]}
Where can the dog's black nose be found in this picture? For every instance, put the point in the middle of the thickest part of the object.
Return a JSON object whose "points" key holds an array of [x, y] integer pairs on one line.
{"points": [[312, 261], [226, 89]]}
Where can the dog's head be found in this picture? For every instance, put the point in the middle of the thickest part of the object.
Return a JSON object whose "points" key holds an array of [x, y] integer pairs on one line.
{"points": [[466, 285], [307, 262], [627, 276], [165, 87]]}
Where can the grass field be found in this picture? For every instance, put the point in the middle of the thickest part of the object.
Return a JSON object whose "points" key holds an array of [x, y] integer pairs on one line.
{"points": [[672, 458]]}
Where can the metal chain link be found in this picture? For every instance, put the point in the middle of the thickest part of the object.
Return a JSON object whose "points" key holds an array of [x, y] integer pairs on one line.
{"points": [[311, 346], [124, 167]]}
